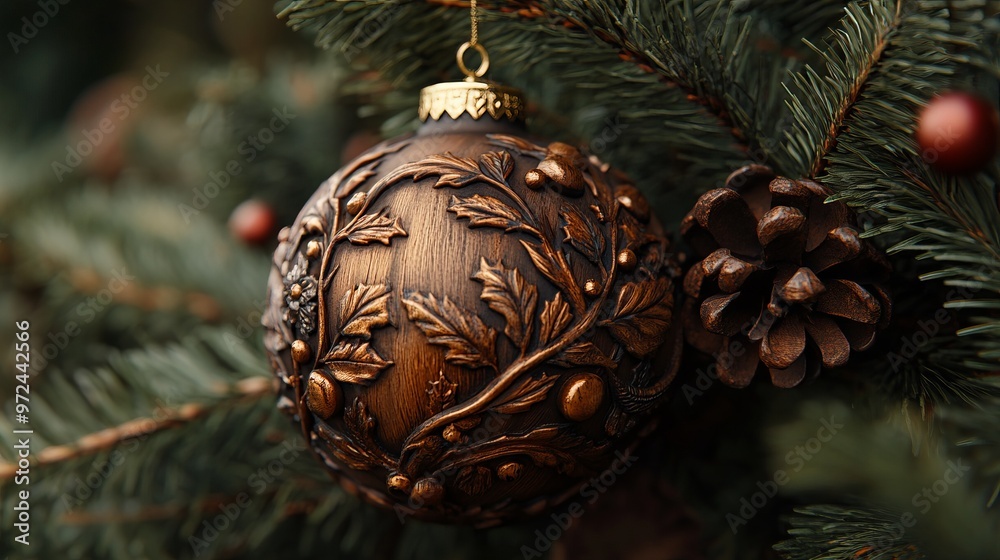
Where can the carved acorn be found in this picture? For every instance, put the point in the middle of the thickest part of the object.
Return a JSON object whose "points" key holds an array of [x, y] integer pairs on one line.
{"points": [[469, 323], [784, 281]]}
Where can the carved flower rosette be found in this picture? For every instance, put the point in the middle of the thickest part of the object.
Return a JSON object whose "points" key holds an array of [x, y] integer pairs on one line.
{"points": [[467, 326]]}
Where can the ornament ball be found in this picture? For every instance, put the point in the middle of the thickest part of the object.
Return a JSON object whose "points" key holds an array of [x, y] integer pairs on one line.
{"points": [[252, 222], [469, 323], [958, 133]]}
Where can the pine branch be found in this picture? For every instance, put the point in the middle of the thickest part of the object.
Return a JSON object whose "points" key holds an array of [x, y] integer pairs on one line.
{"points": [[138, 233], [87, 281], [204, 369], [207, 506], [887, 472], [611, 30], [704, 48], [929, 384], [820, 104], [563, 65], [158, 491], [845, 533], [788, 21], [164, 419], [950, 224], [976, 434]]}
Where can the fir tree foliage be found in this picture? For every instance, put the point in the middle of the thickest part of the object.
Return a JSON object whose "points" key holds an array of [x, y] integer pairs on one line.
{"points": [[156, 424], [950, 222]]}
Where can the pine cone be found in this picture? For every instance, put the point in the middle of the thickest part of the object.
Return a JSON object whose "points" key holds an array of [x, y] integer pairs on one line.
{"points": [[785, 279]]}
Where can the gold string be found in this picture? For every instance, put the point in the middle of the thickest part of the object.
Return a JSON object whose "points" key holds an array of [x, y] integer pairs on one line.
{"points": [[473, 15], [474, 44]]}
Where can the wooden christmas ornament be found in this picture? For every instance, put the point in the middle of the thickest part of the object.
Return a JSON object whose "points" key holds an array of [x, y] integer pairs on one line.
{"points": [[469, 322]]}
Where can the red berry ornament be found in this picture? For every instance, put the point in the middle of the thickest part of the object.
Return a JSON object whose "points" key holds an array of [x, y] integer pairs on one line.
{"points": [[252, 222], [958, 133]]}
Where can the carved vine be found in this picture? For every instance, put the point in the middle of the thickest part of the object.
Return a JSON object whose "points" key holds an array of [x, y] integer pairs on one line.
{"points": [[546, 333]]}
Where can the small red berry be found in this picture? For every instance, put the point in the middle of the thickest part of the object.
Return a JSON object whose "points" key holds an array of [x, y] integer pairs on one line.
{"points": [[958, 133], [252, 222]]}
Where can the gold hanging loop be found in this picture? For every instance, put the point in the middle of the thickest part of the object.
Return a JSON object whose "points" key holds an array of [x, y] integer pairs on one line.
{"points": [[471, 75], [473, 43]]}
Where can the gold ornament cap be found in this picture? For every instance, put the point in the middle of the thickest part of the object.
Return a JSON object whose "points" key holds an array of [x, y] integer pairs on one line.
{"points": [[475, 99], [475, 96]]}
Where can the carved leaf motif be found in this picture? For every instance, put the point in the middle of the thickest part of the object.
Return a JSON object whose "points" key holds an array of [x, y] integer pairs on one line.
{"points": [[583, 354], [358, 179], [352, 361], [496, 165], [343, 182], [441, 394], [546, 446], [357, 448], [469, 342], [352, 455], [522, 396], [451, 171], [618, 421], [486, 211], [630, 228], [655, 259], [517, 144], [473, 480], [358, 420], [364, 308], [556, 316], [507, 293], [423, 455], [375, 228], [642, 315], [468, 422], [582, 233], [554, 266], [543, 262]]}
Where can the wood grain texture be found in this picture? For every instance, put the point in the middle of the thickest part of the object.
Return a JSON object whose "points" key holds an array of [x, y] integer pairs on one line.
{"points": [[471, 344]]}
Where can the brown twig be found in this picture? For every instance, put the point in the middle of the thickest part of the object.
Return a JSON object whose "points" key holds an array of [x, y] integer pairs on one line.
{"points": [[210, 504], [820, 161], [88, 281], [949, 210], [165, 418]]}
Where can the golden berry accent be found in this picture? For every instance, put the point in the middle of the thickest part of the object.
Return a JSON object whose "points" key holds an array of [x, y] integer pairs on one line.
{"points": [[581, 396], [301, 351], [323, 396]]}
